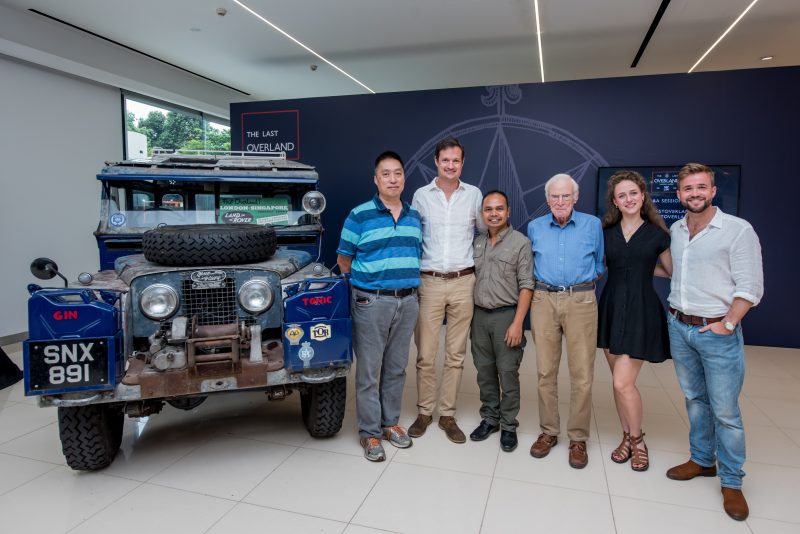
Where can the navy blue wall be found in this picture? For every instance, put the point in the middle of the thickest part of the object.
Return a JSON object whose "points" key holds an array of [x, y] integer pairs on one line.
{"points": [[518, 136]]}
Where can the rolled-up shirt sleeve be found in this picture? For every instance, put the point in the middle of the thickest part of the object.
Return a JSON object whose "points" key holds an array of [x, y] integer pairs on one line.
{"points": [[747, 271], [525, 266]]}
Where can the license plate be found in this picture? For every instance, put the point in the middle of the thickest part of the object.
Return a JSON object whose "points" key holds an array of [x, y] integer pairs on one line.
{"points": [[68, 364]]}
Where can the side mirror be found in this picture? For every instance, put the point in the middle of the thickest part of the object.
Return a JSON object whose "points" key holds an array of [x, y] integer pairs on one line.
{"points": [[45, 269]]}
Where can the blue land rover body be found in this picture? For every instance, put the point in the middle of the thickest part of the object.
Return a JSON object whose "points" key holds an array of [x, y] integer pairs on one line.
{"points": [[209, 282]]}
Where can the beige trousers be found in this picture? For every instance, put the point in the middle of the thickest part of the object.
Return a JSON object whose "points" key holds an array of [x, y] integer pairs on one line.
{"points": [[574, 317], [439, 299]]}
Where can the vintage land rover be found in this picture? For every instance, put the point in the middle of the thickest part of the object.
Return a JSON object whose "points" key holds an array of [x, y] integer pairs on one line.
{"points": [[209, 282]]}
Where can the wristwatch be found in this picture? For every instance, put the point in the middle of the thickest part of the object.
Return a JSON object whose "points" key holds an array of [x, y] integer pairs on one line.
{"points": [[729, 326]]}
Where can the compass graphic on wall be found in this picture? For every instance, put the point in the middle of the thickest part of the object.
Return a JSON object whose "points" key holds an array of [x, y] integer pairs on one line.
{"points": [[512, 153]]}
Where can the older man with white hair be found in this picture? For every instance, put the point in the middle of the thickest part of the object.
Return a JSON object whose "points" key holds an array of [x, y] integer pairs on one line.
{"points": [[567, 260]]}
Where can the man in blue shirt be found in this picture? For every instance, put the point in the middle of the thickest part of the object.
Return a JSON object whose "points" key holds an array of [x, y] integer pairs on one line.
{"points": [[380, 246], [567, 259]]}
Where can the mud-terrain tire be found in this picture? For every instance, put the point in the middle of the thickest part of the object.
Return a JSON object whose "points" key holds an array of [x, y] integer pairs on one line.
{"points": [[90, 435], [323, 407], [209, 244]]}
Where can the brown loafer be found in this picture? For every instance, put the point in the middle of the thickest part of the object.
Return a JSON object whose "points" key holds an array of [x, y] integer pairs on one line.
{"points": [[690, 470], [420, 425], [454, 434], [578, 457], [735, 504], [541, 447]]}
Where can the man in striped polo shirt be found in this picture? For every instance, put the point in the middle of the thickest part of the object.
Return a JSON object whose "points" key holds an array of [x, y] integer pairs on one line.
{"points": [[380, 246]]}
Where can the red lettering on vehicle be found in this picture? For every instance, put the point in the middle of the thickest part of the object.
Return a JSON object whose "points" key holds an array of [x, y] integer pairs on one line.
{"points": [[316, 301], [65, 315]]}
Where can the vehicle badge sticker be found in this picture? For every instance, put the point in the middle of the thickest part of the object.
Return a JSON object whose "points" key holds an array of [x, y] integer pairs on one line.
{"points": [[306, 353], [208, 279], [320, 332], [294, 333], [117, 219]]}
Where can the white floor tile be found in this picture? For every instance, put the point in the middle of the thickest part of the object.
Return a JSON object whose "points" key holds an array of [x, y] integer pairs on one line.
{"points": [[784, 413], [662, 432], [22, 418], [17, 471], [767, 526], [520, 507], [435, 450], [553, 469], [770, 445], [249, 518], [771, 492], [42, 444], [333, 485], [60, 500], [418, 500], [358, 529], [151, 508], [631, 515], [226, 467], [784, 387]]}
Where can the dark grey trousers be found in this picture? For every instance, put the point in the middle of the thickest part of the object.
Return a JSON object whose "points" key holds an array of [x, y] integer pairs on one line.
{"points": [[497, 365], [382, 329]]}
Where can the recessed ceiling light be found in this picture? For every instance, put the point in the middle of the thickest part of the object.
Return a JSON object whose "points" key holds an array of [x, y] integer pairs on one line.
{"points": [[767, 58], [735, 22], [305, 47], [195, 29]]}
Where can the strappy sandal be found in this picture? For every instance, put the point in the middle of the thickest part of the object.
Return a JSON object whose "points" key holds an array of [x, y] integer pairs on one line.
{"points": [[640, 460], [622, 453]]}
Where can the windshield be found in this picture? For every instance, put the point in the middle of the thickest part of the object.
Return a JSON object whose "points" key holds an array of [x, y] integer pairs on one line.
{"points": [[135, 207]]}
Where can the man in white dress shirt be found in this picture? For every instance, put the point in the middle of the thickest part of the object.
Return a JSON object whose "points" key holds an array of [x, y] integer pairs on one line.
{"points": [[450, 212], [716, 278]]}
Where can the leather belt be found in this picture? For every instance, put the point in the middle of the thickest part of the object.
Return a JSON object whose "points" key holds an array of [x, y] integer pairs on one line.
{"points": [[494, 310], [451, 275], [694, 320], [586, 286], [398, 293]]}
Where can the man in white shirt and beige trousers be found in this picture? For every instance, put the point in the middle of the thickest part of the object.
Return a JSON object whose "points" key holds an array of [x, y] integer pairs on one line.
{"points": [[717, 277], [450, 212]]}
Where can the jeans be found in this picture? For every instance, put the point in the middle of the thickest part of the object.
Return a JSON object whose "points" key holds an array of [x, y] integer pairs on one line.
{"points": [[382, 329], [710, 369]]}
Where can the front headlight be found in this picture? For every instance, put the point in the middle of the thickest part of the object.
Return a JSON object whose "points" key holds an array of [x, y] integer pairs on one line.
{"points": [[255, 296], [314, 202], [158, 302]]}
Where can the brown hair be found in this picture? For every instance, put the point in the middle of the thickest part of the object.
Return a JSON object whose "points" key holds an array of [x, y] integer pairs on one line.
{"points": [[448, 142], [648, 211], [695, 168]]}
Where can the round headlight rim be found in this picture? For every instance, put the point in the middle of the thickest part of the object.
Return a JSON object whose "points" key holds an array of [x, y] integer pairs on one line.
{"points": [[153, 287], [269, 296], [307, 209]]}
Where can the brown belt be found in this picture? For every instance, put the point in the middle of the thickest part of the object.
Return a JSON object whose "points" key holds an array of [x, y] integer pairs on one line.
{"points": [[450, 276], [693, 320]]}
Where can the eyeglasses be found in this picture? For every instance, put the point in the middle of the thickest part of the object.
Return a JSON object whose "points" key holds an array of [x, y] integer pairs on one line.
{"points": [[563, 198]]}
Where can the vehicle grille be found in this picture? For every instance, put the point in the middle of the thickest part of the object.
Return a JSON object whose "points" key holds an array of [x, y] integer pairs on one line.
{"points": [[211, 306]]}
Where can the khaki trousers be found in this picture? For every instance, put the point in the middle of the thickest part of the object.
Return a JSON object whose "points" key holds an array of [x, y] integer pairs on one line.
{"points": [[438, 299], [573, 316]]}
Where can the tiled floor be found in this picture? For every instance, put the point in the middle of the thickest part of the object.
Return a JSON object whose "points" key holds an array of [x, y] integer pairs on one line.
{"points": [[240, 463]]}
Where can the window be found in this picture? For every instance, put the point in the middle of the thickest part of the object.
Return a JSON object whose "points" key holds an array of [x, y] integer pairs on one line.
{"points": [[152, 123]]}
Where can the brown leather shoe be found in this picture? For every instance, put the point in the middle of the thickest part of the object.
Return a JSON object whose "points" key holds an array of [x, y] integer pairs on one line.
{"points": [[420, 425], [578, 457], [689, 470], [541, 447], [734, 503], [454, 434]]}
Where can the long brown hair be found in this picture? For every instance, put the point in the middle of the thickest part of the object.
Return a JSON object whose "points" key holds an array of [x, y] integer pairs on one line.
{"points": [[648, 211]]}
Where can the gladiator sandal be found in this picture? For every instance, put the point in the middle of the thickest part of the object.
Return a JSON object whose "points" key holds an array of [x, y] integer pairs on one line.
{"points": [[622, 453], [640, 459]]}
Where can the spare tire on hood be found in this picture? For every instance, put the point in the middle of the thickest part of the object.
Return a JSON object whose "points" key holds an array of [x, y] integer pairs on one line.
{"points": [[209, 244]]}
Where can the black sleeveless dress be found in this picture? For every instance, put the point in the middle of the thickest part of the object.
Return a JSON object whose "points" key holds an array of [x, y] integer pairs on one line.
{"points": [[631, 318]]}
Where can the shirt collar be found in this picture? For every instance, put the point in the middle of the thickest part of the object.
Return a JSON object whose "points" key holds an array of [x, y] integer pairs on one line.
{"points": [[716, 221], [435, 184], [380, 206], [571, 219]]}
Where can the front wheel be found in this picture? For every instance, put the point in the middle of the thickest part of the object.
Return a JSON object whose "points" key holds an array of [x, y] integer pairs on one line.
{"points": [[323, 407], [90, 435]]}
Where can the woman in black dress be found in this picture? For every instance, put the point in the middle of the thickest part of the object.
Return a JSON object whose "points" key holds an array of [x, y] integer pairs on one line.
{"points": [[632, 325]]}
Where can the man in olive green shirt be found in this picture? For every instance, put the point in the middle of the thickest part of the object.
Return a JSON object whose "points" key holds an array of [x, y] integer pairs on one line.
{"points": [[502, 294]]}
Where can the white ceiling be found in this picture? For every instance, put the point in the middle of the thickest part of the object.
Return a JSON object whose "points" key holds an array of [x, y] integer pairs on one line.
{"points": [[401, 45]]}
